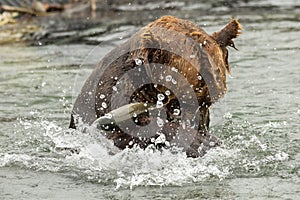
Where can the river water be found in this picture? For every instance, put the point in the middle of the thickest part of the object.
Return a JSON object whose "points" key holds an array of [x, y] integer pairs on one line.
{"points": [[258, 120]]}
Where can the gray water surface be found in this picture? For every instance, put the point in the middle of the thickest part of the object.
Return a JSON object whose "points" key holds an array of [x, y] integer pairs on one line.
{"points": [[258, 120]]}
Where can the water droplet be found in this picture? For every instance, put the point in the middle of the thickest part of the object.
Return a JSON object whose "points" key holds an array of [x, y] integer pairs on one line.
{"points": [[204, 42], [212, 144], [104, 105], [199, 77], [115, 88], [108, 115], [192, 56], [176, 112], [102, 96], [160, 122], [174, 69], [159, 104], [138, 61], [174, 81], [168, 78], [167, 143], [134, 115], [228, 115], [167, 92], [160, 97]]}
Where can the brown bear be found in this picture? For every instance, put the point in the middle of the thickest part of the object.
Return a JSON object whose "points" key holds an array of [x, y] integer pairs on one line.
{"points": [[171, 65]]}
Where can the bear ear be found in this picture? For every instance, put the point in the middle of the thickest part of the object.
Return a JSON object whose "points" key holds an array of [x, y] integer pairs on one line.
{"points": [[230, 31]]}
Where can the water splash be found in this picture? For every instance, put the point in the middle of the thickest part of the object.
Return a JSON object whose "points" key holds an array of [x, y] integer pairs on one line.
{"points": [[91, 156]]}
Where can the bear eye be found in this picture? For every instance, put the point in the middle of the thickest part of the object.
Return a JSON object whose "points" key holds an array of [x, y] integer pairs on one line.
{"points": [[231, 44]]}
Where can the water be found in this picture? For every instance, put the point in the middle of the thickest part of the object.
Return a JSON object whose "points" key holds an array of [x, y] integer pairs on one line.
{"points": [[258, 121]]}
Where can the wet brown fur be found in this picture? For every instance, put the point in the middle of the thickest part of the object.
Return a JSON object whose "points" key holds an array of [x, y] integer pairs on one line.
{"points": [[210, 62]]}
